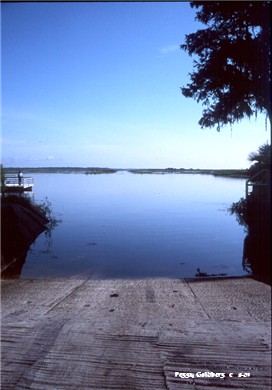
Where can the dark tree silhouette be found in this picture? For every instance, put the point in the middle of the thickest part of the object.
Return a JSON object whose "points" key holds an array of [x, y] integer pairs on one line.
{"points": [[231, 74], [260, 160]]}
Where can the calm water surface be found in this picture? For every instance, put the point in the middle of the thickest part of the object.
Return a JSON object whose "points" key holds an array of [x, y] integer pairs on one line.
{"points": [[128, 226]]}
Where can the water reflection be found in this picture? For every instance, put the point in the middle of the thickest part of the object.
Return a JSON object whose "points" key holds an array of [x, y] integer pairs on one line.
{"points": [[257, 251], [136, 226], [257, 255], [254, 213], [12, 265]]}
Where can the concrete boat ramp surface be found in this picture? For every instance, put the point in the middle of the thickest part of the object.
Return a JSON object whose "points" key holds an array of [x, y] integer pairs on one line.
{"points": [[136, 334]]}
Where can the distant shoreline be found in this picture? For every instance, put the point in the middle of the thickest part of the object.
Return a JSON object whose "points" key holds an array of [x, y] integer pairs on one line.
{"points": [[232, 173]]}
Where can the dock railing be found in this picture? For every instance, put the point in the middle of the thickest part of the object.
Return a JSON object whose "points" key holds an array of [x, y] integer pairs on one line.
{"points": [[15, 181]]}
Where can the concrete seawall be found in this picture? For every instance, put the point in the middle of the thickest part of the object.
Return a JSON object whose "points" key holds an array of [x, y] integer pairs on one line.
{"points": [[136, 334]]}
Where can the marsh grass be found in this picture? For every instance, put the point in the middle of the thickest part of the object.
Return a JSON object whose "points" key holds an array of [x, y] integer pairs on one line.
{"points": [[100, 171]]}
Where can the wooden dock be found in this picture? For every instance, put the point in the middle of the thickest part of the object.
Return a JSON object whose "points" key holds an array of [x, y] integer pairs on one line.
{"points": [[12, 184]]}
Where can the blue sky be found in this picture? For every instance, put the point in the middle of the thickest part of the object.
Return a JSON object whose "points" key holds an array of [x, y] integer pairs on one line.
{"points": [[98, 84]]}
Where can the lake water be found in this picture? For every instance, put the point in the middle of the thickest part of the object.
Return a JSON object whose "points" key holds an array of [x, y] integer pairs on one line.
{"points": [[126, 225]]}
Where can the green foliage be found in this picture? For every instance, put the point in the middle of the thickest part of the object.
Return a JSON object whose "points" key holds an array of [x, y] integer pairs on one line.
{"points": [[260, 159], [263, 155], [240, 209], [231, 74], [47, 209]]}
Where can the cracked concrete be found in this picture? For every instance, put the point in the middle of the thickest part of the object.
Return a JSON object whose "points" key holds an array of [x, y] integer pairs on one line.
{"points": [[135, 334]]}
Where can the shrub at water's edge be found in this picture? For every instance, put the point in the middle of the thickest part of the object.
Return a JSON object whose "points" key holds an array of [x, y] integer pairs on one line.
{"points": [[254, 213], [44, 209], [22, 222], [240, 210], [257, 205]]}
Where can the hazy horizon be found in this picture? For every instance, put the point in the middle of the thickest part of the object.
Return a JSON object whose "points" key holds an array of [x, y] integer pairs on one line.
{"points": [[117, 168]]}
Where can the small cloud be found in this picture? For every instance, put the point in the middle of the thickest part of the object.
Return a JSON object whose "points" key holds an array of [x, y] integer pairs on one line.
{"points": [[50, 158], [169, 49]]}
